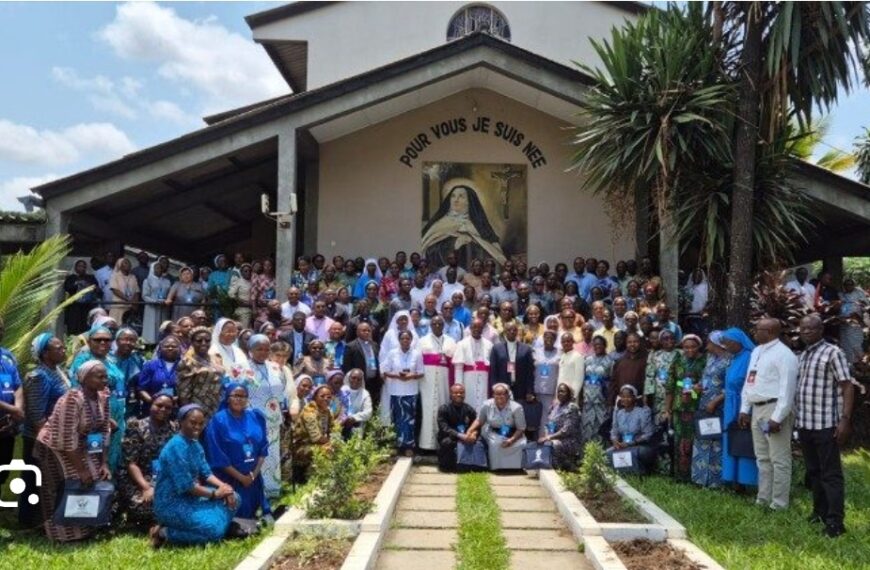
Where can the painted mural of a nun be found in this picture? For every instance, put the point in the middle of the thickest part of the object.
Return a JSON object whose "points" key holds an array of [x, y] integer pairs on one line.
{"points": [[460, 225]]}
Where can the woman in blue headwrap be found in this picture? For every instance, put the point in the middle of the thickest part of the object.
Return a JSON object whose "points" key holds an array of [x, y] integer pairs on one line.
{"points": [[99, 343], [237, 446], [267, 397], [707, 453], [191, 504], [130, 362], [738, 470], [159, 373], [42, 388]]}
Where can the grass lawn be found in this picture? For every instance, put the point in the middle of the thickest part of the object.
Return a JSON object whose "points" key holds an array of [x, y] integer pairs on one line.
{"points": [[741, 536], [481, 543]]}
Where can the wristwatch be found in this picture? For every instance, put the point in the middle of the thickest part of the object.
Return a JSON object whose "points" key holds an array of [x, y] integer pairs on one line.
{"points": [[213, 493]]}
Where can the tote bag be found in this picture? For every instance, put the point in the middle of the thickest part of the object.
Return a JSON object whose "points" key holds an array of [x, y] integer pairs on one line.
{"points": [[537, 456], [79, 505], [471, 455]]}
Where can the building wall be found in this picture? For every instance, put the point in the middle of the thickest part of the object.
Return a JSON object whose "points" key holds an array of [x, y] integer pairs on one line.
{"points": [[370, 203], [353, 37]]}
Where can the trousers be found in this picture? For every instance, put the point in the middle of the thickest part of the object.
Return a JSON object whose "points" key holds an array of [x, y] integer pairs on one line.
{"points": [[773, 456], [825, 472]]}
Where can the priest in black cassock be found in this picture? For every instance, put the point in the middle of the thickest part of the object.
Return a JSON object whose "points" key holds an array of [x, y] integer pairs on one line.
{"points": [[454, 419]]}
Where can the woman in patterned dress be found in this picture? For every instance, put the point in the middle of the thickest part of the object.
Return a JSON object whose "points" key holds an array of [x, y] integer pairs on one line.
{"points": [[142, 445], [73, 444], [681, 402], [263, 290], [707, 453], [267, 397], [200, 380], [563, 429], [658, 371], [312, 429], [599, 368]]}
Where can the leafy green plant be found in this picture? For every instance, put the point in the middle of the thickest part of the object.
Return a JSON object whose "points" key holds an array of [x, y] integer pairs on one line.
{"points": [[28, 284], [595, 476]]}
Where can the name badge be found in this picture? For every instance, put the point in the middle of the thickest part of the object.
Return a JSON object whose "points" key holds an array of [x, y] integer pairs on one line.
{"points": [[511, 368], [168, 390], [94, 442], [687, 384], [372, 363], [120, 394], [443, 359], [460, 428], [663, 375], [188, 298], [551, 427], [628, 438], [339, 360], [593, 380], [751, 378], [155, 468], [544, 370], [6, 383], [319, 380], [269, 293], [504, 430], [248, 450]]}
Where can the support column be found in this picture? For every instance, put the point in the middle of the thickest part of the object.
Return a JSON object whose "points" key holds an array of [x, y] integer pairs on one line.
{"points": [[56, 223], [669, 262], [285, 233], [834, 266]]}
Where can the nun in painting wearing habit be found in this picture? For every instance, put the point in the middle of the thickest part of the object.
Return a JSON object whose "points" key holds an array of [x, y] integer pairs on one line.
{"points": [[460, 225]]}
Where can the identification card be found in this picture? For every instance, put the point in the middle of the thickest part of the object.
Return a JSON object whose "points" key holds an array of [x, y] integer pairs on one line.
{"points": [[544, 370], [167, 389], [663, 375], [511, 368], [155, 468], [248, 450], [95, 442], [551, 427], [628, 438], [687, 384], [751, 378], [6, 383], [593, 380], [504, 430], [372, 363], [622, 459], [460, 428], [120, 394], [709, 426], [443, 359], [319, 380]]}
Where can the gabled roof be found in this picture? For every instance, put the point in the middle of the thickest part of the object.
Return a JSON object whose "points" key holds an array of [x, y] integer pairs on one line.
{"points": [[242, 118]]}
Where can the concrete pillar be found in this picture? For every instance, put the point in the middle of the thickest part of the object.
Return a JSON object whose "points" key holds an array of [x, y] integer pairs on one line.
{"points": [[56, 223], [285, 233], [834, 266], [669, 262]]}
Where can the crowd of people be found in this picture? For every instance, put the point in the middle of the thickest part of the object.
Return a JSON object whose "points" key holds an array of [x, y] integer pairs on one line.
{"points": [[242, 388]]}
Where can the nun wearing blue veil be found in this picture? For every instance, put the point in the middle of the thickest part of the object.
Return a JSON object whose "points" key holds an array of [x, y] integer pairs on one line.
{"points": [[740, 470], [237, 444]]}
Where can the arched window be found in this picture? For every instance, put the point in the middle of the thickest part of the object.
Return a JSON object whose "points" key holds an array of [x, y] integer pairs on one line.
{"points": [[478, 17]]}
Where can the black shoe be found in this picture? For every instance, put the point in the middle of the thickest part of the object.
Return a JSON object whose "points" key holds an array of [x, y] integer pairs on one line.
{"points": [[834, 530], [815, 519]]}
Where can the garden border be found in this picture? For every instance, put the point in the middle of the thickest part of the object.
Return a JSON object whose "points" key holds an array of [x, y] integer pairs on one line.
{"points": [[368, 530], [602, 556]]}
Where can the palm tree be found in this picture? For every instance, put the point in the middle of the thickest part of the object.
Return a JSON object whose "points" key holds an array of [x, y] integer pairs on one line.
{"points": [[788, 56], [29, 283], [808, 137], [862, 156]]}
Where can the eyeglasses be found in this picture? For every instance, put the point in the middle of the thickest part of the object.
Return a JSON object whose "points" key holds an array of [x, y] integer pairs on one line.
{"points": [[101, 340]]}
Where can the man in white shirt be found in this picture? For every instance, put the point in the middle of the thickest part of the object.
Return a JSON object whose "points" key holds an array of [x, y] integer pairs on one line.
{"points": [[801, 286], [767, 404], [104, 274], [293, 304]]}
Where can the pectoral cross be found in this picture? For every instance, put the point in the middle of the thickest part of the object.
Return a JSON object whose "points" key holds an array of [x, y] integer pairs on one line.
{"points": [[504, 177]]}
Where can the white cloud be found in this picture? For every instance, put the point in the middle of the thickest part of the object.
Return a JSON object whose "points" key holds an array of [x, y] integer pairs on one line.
{"points": [[169, 111], [25, 144], [10, 190], [227, 68]]}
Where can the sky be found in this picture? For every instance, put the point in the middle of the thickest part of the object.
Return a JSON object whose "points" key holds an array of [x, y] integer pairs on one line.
{"points": [[85, 83]]}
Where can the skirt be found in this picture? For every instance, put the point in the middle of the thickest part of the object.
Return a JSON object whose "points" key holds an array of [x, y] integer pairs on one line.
{"points": [[503, 457], [404, 411]]}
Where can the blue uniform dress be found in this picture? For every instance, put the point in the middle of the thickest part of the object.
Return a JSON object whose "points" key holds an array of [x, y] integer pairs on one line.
{"points": [[156, 377], [130, 366], [10, 382], [188, 519], [117, 401], [238, 442], [742, 470]]}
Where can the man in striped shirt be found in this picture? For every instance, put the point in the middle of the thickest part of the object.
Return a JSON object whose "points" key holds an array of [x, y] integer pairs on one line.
{"points": [[823, 407]]}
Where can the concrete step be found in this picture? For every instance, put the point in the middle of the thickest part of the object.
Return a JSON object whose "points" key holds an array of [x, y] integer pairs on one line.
{"points": [[534, 521], [410, 490], [406, 559], [507, 505], [534, 560], [546, 540], [426, 519], [427, 504], [421, 539]]}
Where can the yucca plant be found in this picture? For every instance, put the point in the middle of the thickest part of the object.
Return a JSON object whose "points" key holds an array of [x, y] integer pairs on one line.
{"points": [[28, 284], [771, 300]]}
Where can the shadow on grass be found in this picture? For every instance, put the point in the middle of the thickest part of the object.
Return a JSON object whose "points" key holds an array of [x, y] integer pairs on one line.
{"points": [[741, 535]]}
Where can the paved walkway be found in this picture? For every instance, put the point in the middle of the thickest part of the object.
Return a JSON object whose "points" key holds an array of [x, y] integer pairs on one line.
{"points": [[424, 529]]}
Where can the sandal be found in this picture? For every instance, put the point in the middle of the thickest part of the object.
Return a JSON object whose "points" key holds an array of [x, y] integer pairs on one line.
{"points": [[157, 536]]}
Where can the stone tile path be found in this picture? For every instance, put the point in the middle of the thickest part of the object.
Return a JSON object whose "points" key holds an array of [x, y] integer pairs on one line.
{"points": [[424, 529]]}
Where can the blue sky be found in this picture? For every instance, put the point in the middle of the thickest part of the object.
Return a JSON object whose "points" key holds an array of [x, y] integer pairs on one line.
{"points": [[88, 82]]}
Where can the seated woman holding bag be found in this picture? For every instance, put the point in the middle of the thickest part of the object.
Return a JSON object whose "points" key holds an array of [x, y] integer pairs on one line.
{"points": [[143, 442], [191, 505], [73, 445], [633, 429], [502, 424], [563, 429]]}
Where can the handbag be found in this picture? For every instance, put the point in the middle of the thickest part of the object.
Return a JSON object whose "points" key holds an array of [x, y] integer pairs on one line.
{"points": [[471, 455], [242, 528], [537, 456], [740, 441], [708, 427], [625, 460], [79, 505]]}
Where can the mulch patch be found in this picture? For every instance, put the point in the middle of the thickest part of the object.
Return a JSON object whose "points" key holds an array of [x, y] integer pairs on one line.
{"points": [[610, 507], [326, 554], [372, 485], [643, 554]]}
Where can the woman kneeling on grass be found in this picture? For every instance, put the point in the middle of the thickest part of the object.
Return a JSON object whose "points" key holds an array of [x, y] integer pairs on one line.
{"points": [[632, 427], [312, 429], [183, 516]]}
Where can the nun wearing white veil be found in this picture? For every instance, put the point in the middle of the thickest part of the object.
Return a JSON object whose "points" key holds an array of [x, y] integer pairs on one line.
{"points": [[225, 352], [401, 321]]}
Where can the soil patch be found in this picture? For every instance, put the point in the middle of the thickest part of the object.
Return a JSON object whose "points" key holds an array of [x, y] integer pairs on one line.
{"points": [[372, 485], [313, 554], [610, 507], [642, 554]]}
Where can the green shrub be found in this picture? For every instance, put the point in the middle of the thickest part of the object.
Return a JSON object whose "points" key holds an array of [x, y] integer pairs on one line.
{"points": [[595, 476]]}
